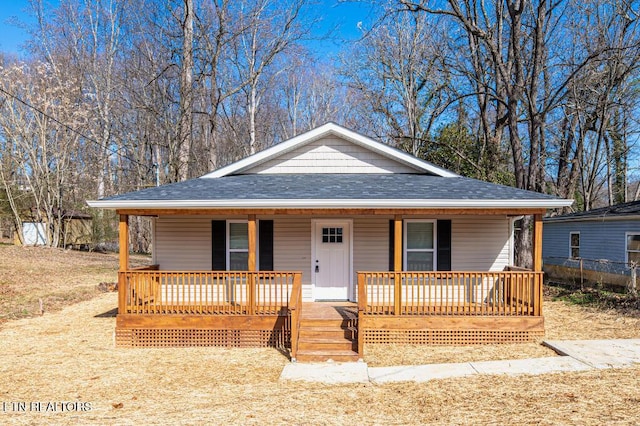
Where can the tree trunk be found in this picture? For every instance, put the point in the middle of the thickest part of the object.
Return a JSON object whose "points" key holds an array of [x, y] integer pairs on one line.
{"points": [[186, 94]]}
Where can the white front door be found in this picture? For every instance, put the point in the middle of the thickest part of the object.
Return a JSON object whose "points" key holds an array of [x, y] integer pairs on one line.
{"points": [[331, 264]]}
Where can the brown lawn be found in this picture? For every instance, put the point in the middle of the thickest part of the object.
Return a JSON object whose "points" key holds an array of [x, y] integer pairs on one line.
{"points": [[56, 277], [68, 356]]}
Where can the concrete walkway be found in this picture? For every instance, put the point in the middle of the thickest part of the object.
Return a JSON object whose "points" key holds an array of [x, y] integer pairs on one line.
{"points": [[578, 355]]}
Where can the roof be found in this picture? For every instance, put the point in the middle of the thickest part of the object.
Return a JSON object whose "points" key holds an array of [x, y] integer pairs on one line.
{"points": [[326, 130], [618, 211], [332, 191]]}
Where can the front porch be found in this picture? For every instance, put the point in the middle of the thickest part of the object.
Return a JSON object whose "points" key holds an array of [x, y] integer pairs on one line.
{"points": [[162, 307], [265, 308]]}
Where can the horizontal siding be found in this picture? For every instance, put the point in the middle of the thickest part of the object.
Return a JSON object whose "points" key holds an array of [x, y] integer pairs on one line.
{"points": [[331, 155], [292, 249], [480, 243], [598, 239], [370, 246], [183, 243]]}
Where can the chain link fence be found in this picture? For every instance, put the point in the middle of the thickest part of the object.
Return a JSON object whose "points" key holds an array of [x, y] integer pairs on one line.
{"points": [[594, 272]]}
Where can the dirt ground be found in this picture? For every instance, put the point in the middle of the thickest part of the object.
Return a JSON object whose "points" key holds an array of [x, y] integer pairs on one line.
{"points": [[66, 360], [55, 277]]}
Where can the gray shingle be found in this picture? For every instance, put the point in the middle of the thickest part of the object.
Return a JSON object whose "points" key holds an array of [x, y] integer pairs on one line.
{"points": [[332, 187], [625, 209]]}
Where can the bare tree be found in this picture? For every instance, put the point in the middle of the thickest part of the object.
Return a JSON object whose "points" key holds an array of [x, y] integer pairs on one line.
{"points": [[185, 133], [398, 72], [267, 32], [39, 152]]}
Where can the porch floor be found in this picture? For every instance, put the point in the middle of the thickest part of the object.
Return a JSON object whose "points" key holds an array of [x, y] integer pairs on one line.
{"points": [[329, 310]]}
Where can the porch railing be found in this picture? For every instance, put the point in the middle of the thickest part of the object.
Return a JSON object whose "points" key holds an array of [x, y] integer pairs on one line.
{"points": [[151, 291], [507, 293]]}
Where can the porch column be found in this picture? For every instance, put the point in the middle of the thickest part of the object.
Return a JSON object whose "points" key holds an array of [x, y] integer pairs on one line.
{"points": [[252, 280], [397, 243], [123, 236], [537, 242], [253, 237], [397, 263]]}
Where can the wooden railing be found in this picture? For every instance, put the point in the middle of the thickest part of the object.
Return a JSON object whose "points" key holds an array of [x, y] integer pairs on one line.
{"points": [[295, 308], [508, 293], [150, 291]]}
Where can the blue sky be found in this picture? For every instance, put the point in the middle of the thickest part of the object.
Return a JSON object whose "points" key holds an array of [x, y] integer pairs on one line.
{"points": [[344, 16], [12, 36]]}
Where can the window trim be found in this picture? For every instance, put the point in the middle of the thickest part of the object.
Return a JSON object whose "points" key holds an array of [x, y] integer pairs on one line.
{"points": [[626, 245], [228, 248], [571, 233], [433, 250]]}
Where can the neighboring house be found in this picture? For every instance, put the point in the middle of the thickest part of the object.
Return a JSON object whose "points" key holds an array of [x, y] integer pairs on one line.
{"points": [[598, 246], [405, 251]]}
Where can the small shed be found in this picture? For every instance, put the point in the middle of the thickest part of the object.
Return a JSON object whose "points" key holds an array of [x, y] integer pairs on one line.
{"points": [[600, 246], [76, 230]]}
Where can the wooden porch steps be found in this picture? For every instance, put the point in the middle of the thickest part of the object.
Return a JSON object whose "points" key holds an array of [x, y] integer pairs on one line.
{"points": [[328, 331]]}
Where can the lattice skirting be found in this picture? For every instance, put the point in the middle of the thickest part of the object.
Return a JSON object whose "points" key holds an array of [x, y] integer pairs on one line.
{"points": [[449, 337], [179, 337]]}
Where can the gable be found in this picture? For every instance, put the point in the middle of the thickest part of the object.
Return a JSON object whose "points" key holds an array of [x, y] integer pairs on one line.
{"points": [[331, 154], [331, 142]]}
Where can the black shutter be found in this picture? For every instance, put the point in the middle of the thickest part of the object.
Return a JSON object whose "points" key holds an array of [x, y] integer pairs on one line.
{"points": [[265, 238], [218, 245], [392, 235], [444, 245]]}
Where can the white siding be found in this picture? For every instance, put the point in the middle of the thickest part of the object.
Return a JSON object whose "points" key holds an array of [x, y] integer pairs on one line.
{"points": [[183, 244], [370, 246], [331, 155], [292, 249], [480, 243]]}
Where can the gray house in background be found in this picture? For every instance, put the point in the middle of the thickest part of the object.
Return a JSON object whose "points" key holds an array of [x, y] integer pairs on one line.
{"points": [[599, 246]]}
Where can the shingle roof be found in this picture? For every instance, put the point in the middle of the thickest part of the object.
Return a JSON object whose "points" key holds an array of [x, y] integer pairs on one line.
{"points": [[619, 210], [331, 187]]}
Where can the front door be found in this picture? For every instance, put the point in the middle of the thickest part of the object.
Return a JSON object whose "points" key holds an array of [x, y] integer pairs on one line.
{"points": [[331, 265]]}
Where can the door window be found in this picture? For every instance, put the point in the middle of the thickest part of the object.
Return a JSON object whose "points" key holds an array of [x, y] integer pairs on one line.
{"points": [[331, 235]]}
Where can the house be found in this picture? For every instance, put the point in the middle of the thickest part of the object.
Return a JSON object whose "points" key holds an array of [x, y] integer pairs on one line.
{"points": [[327, 242], [599, 246]]}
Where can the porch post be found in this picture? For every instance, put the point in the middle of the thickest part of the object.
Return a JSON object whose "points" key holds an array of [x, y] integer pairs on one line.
{"points": [[397, 243], [397, 263], [123, 236], [537, 242], [537, 263], [251, 281], [252, 242]]}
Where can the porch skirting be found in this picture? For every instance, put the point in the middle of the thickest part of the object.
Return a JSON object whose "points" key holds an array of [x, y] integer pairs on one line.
{"points": [[449, 330], [136, 331]]}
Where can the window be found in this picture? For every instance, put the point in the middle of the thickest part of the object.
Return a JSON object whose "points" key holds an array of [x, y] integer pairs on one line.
{"points": [[574, 245], [331, 235], [633, 248], [238, 246], [419, 245]]}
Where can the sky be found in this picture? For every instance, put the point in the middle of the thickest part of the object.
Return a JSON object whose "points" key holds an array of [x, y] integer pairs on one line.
{"points": [[345, 17]]}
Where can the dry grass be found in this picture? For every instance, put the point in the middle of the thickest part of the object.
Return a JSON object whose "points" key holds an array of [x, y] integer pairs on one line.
{"points": [[562, 321], [55, 276], [69, 356]]}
